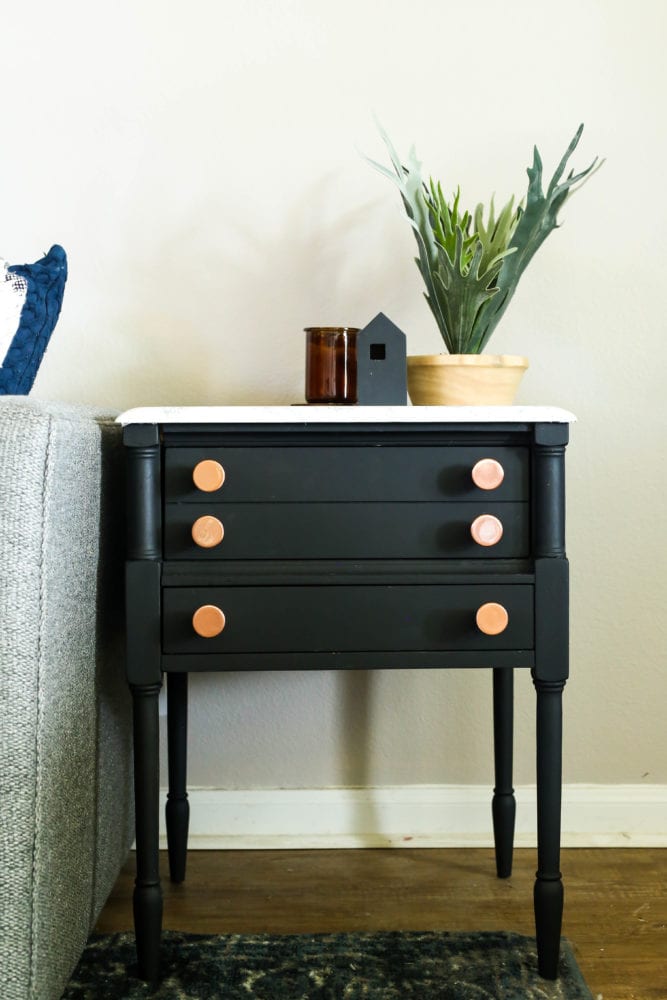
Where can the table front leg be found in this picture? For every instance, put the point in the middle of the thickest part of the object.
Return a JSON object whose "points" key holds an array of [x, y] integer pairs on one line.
{"points": [[143, 629], [548, 892], [147, 899]]}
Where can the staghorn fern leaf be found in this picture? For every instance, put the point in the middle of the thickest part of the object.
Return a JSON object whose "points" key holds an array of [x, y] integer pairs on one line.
{"points": [[497, 234], [445, 222], [462, 293], [411, 187], [470, 278], [538, 219]]}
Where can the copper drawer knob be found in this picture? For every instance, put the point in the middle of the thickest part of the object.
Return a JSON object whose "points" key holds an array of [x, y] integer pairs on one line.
{"points": [[208, 621], [486, 530], [207, 531], [487, 474], [492, 619], [208, 475]]}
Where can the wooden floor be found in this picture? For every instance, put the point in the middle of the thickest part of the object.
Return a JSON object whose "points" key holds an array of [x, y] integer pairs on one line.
{"points": [[615, 901]]}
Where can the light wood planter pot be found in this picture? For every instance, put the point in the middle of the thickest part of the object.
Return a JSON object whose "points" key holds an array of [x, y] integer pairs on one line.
{"points": [[464, 379]]}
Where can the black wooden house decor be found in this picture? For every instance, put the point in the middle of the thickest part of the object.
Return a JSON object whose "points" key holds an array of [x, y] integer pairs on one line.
{"points": [[381, 364]]}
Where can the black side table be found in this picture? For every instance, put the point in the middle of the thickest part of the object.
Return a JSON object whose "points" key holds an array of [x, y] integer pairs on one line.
{"points": [[278, 538]]}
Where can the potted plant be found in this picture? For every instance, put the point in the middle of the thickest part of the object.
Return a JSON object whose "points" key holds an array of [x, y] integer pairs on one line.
{"points": [[471, 268]]}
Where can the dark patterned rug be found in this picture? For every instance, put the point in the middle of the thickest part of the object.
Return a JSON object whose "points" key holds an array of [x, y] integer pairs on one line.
{"points": [[371, 966]]}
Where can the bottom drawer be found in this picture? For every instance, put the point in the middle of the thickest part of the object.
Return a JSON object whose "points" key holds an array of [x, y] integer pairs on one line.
{"points": [[347, 618]]}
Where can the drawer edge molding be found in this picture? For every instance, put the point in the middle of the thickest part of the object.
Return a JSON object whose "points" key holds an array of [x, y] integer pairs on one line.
{"points": [[318, 572], [521, 659]]}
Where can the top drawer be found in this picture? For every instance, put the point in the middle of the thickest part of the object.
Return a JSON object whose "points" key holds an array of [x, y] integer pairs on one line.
{"points": [[340, 473]]}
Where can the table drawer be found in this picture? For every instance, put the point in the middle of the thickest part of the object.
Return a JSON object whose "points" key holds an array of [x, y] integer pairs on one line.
{"points": [[347, 617], [345, 473], [342, 531]]}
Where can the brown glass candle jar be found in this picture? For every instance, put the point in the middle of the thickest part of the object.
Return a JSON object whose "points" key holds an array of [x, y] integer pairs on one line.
{"points": [[331, 364]]}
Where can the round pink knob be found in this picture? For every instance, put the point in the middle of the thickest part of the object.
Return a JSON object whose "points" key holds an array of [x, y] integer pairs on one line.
{"points": [[208, 621], [487, 474], [207, 531], [208, 475], [486, 530], [492, 619]]}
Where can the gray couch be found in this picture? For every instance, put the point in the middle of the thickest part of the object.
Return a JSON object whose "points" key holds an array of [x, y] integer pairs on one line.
{"points": [[66, 809]]}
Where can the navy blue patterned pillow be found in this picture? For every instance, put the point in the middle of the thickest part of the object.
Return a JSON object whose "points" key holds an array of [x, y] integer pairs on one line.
{"points": [[30, 299]]}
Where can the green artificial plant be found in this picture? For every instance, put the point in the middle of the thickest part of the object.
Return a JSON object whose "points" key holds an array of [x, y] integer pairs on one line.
{"points": [[471, 268]]}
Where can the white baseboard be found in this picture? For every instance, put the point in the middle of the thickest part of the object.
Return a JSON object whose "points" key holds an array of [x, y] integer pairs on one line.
{"points": [[417, 816]]}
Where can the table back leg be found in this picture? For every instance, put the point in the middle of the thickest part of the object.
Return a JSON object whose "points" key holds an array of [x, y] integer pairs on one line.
{"points": [[504, 803], [177, 810]]}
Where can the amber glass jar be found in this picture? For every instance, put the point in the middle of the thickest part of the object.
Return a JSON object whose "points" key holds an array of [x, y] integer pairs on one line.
{"points": [[331, 364]]}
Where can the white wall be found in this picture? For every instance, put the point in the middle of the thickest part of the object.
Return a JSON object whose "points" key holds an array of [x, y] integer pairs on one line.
{"points": [[200, 165]]}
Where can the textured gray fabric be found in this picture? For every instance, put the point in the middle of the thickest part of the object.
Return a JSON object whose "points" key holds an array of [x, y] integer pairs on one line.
{"points": [[65, 787]]}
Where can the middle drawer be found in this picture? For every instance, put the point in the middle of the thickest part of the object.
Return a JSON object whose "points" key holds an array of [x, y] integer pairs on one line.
{"points": [[346, 531]]}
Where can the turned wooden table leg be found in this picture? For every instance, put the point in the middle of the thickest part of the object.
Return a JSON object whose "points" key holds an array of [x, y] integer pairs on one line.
{"points": [[504, 803], [178, 808], [548, 892], [144, 674], [147, 899], [549, 675]]}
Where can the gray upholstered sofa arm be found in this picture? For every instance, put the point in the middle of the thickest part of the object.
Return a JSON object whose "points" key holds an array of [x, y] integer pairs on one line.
{"points": [[65, 757]]}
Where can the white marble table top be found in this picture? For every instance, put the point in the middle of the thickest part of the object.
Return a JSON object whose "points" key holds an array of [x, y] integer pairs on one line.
{"points": [[315, 414]]}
